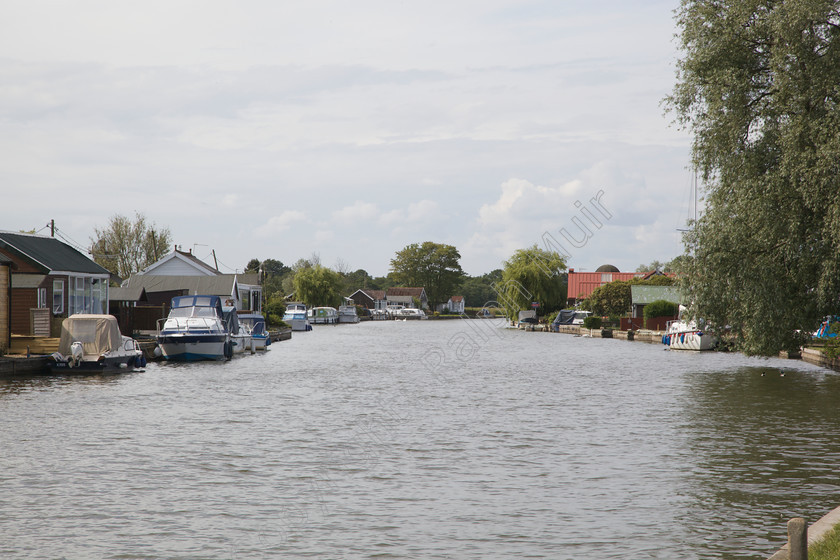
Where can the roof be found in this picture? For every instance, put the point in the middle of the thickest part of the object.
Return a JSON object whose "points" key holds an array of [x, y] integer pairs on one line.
{"points": [[48, 254], [371, 294], [456, 299], [221, 285], [179, 261], [126, 294], [642, 295], [399, 291], [607, 268]]}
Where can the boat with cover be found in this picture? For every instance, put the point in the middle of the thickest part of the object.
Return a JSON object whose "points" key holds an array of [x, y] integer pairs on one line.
{"points": [[195, 330], [240, 338], [94, 343], [254, 323], [296, 318]]}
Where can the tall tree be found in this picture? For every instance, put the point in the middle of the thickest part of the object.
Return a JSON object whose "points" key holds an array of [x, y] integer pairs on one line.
{"points": [[433, 266], [532, 275], [759, 87], [318, 286], [125, 247]]}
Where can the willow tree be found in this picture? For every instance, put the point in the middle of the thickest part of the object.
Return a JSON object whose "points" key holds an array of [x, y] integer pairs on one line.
{"points": [[758, 85], [318, 286], [532, 275]]}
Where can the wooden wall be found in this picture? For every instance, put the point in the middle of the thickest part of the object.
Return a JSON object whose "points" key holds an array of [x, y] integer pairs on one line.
{"points": [[5, 305]]}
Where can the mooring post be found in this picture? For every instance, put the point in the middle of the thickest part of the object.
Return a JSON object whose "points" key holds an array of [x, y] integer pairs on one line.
{"points": [[798, 539]]}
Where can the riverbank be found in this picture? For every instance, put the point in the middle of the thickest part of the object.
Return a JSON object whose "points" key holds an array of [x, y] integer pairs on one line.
{"points": [[813, 356]]}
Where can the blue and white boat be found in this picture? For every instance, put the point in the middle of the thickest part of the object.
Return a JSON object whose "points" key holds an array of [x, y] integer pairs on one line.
{"points": [[195, 330], [254, 323], [296, 318]]}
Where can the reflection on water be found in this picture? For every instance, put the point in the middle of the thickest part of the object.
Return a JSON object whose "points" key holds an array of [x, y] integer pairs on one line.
{"points": [[420, 440]]}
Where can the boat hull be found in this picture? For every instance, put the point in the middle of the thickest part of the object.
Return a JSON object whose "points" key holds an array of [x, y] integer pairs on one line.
{"points": [[690, 340], [115, 364], [195, 347]]}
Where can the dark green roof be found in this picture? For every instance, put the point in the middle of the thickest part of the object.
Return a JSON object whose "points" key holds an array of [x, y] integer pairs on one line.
{"points": [[48, 254]]}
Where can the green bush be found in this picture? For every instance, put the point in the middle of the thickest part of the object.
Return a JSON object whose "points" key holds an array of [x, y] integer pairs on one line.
{"points": [[592, 322], [661, 308]]}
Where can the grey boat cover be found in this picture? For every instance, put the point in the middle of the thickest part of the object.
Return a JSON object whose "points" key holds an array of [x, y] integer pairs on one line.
{"points": [[565, 317], [97, 333]]}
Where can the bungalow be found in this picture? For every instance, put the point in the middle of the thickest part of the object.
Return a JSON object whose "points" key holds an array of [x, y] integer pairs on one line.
{"points": [[50, 281], [408, 297], [369, 299], [240, 290], [454, 305]]}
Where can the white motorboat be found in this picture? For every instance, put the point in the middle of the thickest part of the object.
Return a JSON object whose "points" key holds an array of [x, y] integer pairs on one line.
{"points": [[296, 318], [347, 314], [94, 343], [195, 330], [323, 316], [685, 335]]}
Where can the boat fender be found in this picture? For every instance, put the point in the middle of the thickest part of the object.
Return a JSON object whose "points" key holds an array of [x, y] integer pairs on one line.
{"points": [[228, 350], [141, 361]]}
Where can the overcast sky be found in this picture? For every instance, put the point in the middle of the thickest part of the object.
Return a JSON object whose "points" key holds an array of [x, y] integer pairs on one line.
{"points": [[278, 129]]}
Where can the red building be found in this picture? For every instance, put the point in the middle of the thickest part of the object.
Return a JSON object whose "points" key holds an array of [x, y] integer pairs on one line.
{"points": [[582, 284]]}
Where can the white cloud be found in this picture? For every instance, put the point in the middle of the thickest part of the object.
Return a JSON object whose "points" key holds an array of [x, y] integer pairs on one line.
{"points": [[281, 223], [358, 212]]}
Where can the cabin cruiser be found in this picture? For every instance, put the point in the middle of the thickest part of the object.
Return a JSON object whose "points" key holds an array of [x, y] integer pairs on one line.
{"points": [[683, 334], [195, 330], [347, 313], [94, 343], [323, 316], [296, 318]]}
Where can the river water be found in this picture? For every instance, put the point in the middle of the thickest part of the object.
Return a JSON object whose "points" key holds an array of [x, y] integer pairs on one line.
{"points": [[433, 439]]}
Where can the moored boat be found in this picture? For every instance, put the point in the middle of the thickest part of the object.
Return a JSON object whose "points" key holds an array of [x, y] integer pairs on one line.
{"points": [[240, 338], [296, 318], [93, 343], [254, 323], [685, 335], [347, 313], [195, 330], [323, 316]]}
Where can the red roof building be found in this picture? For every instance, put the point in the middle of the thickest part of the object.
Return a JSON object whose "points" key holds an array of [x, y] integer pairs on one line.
{"points": [[582, 284]]}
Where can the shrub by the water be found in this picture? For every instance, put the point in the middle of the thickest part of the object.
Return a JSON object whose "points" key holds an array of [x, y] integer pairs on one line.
{"points": [[592, 322], [661, 308]]}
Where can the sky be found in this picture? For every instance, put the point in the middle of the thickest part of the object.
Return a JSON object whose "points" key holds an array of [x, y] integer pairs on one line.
{"points": [[348, 130]]}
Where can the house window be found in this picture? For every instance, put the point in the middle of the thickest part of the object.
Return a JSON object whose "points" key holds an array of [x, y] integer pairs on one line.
{"points": [[606, 277], [42, 298], [58, 297]]}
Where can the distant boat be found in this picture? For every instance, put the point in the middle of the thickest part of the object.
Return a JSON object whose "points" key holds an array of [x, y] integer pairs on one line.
{"points": [[347, 314], [94, 343], [409, 313], [296, 318], [195, 330], [323, 315]]}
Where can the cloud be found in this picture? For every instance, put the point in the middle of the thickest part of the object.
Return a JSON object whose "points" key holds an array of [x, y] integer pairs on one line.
{"points": [[281, 223], [357, 212]]}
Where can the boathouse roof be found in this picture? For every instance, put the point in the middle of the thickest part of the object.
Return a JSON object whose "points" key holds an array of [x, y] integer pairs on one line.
{"points": [[47, 254]]}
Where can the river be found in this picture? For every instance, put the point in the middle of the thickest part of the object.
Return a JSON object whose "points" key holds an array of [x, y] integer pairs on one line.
{"points": [[413, 440]]}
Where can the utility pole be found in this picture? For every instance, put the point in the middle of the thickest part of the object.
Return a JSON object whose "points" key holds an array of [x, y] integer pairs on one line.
{"points": [[52, 228]]}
